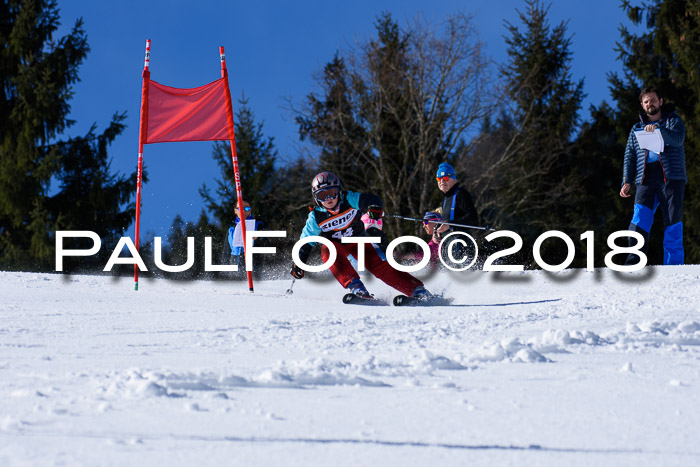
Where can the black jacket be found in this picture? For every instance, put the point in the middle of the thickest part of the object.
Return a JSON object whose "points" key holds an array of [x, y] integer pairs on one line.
{"points": [[464, 210]]}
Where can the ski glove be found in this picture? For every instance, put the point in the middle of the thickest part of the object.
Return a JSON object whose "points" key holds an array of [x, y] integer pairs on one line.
{"points": [[304, 253], [375, 212], [373, 218], [297, 272]]}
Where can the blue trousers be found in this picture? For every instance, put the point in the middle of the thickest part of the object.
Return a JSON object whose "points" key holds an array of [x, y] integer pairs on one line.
{"points": [[652, 193]]}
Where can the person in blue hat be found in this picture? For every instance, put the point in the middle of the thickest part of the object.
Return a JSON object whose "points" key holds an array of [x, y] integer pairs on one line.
{"points": [[457, 207], [235, 232]]}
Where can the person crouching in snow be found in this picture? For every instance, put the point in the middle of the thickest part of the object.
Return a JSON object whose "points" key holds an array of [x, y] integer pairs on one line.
{"points": [[338, 214]]}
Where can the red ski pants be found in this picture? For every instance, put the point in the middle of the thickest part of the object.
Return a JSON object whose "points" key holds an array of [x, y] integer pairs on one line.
{"points": [[344, 272]]}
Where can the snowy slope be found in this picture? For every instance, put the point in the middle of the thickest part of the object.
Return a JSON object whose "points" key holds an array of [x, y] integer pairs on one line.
{"points": [[579, 368]]}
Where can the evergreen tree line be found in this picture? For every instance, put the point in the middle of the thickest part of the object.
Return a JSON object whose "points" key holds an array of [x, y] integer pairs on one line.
{"points": [[49, 184], [385, 114]]}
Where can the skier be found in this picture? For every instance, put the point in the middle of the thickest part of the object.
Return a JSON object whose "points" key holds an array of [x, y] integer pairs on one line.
{"points": [[337, 214]]}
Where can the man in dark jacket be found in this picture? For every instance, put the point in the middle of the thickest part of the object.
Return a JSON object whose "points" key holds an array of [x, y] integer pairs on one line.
{"points": [[457, 207], [659, 178]]}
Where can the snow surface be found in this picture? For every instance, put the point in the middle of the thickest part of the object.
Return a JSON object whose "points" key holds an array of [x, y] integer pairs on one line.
{"points": [[577, 369]]}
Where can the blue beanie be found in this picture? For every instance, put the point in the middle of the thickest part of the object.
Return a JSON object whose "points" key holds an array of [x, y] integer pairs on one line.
{"points": [[446, 169]]}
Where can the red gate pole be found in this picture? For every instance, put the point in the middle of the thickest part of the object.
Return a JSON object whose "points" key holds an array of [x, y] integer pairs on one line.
{"points": [[143, 131], [234, 157]]}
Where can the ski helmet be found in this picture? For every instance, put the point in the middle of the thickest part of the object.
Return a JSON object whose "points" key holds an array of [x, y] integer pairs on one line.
{"points": [[432, 216], [326, 181]]}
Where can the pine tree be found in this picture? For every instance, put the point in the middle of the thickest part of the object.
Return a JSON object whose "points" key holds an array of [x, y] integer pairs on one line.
{"points": [[597, 155], [527, 181], [256, 161], [38, 74], [332, 124], [90, 197]]}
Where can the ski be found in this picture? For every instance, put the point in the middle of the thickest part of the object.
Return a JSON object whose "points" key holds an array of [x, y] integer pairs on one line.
{"points": [[435, 300], [352, 299]]}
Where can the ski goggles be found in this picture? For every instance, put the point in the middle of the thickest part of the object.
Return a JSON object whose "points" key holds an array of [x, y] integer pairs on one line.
{"points": [[325, 195], [245, 208], [444, 178], [431, 218]]}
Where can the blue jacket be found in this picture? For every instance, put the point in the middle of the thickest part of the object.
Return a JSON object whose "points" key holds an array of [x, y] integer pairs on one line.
{"points": [[237, 250], [673, 156]]}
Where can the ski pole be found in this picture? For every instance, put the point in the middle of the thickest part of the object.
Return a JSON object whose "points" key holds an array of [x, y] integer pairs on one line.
{"points": [[289, 290], [476, 227]]}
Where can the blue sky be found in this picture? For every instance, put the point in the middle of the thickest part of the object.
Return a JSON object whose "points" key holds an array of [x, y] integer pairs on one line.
{"points": [[273, 50]]}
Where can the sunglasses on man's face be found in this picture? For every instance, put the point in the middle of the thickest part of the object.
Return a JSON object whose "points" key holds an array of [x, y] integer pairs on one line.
{"points": [[245, 208], [326, 195], [444, 179]]}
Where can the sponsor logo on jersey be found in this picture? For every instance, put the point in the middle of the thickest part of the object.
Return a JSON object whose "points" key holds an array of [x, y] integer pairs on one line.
{"points": [[339, 221]]}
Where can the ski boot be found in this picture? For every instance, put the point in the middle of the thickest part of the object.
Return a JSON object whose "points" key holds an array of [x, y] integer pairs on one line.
{"points": [[356, 287], [421, 293], [421, 297]]}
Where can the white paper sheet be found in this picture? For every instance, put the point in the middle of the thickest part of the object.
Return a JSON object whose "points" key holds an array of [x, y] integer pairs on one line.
{"points": [[238, 235], [651, 141]]}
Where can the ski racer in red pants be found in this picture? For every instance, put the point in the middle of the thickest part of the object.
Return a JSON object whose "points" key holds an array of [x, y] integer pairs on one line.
{"points": [[338, 214]]}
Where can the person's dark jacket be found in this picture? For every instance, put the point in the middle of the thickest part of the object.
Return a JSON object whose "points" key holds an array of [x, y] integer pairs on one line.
{"points": [[464, 212], [673, 156]]}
